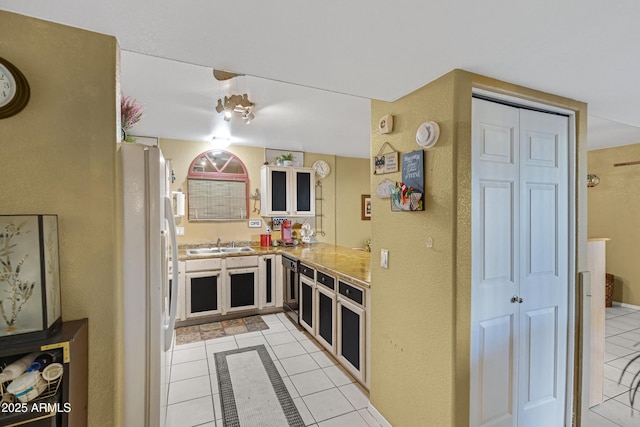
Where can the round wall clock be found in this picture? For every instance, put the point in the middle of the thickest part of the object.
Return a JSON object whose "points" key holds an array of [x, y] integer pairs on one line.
{"points": [[14, 89], [322, 168], [427, 134]]}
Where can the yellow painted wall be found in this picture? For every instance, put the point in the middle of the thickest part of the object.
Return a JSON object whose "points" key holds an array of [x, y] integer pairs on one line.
{"points": [[355, 180], [614, 211], [59, 156], [421, 305]]}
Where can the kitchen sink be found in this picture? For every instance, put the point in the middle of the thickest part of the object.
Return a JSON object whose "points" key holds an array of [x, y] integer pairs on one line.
{"points": [[203, 251], [219, 251], [238, 249]]}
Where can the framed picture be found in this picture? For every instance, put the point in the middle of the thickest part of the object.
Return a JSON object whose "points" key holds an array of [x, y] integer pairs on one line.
{"points": [[271, 155], [366, 207]]}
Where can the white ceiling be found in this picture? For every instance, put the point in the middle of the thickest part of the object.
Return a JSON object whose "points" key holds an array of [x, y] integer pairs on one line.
{"points": [[353, 51]]}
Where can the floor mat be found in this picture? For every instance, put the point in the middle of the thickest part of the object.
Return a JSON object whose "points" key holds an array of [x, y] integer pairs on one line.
{"points": [[252, 392], [207, 331]]}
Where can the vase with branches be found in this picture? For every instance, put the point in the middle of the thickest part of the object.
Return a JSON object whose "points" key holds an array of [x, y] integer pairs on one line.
{"points": [[16, 291]]}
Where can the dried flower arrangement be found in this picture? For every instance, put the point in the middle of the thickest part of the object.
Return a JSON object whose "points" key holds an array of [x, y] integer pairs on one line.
{"points": [[19, 291], [131, 113]]}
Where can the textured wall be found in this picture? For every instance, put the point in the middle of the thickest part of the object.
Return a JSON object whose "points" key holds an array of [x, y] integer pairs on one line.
{"points": [[354, 178], [354, 182], [412, 301], [58, 156], [421, 305], [614, 209]]}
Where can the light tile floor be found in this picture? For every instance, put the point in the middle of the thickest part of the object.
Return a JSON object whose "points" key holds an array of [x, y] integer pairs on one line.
{"points": [[324, 393], [622, 333]]}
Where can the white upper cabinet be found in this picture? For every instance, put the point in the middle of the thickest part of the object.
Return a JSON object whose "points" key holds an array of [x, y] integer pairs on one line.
{"points": [[288, 191]]}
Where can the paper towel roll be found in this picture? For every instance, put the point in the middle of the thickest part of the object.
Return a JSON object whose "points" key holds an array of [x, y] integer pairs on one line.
{"points": [[178, 203]]}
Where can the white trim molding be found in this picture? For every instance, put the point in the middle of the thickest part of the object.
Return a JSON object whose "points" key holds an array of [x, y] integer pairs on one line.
{"points": [[378, 416], [624, 304]]}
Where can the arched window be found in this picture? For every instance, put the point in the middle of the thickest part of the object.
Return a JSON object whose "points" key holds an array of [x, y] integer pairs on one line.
{"points": [[218, 187]]}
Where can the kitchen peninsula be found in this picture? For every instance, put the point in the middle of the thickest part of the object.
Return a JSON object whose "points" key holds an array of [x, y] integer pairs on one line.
{"points": [[332, 287]]}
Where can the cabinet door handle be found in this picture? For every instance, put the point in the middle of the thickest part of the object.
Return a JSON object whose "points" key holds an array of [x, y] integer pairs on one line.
{"points": [[516, 299]]}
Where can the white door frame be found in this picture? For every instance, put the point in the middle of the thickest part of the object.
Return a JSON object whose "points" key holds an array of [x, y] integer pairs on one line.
{"points": [[572, 265]]}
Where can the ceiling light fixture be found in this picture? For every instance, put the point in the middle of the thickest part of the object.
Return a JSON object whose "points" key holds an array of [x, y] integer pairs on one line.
{"points": [[219, 142], [234, 103]]}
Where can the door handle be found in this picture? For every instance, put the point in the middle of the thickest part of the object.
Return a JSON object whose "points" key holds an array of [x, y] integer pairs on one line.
{"points": [[516, 299]]}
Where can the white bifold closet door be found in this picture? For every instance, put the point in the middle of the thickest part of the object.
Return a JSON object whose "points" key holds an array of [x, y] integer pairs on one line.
{"points": [[520, 217]]}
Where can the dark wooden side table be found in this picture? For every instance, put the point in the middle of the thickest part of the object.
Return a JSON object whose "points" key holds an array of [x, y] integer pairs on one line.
{"points": [[64, 403]]}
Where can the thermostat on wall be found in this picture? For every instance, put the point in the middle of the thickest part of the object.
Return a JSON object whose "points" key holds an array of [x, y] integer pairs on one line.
{"points": [[385, 125]]}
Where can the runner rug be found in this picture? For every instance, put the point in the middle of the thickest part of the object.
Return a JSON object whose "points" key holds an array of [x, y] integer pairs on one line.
{"points": [[252, 392]]}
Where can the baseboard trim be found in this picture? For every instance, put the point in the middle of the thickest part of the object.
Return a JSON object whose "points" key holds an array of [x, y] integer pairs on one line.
{"points": [[378, 416], [624, 304]]}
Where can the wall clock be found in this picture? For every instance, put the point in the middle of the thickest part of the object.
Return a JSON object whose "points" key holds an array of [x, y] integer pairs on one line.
{"points": [[14, 89], [322, 168], [427, 134]]}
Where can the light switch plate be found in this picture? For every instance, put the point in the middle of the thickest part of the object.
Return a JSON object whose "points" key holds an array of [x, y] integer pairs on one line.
{"points": [[179, 231], [384, 258]]}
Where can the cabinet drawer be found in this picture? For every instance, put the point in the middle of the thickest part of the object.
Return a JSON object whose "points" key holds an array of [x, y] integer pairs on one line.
{"points": [[203, 264], [308, 271], [351, 292], [326, 280], [242, 261]]}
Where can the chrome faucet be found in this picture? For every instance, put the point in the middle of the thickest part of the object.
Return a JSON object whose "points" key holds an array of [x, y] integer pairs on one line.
{"points": [[218, 243], [233, 243]]}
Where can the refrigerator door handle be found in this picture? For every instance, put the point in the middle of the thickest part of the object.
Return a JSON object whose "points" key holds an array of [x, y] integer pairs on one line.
{"points": [[168, 333]]}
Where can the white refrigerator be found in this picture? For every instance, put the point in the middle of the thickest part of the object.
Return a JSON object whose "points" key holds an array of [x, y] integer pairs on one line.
{"points": [[149, 296]]}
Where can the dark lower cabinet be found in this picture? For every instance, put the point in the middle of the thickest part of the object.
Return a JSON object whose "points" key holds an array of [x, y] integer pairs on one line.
{"points": [[351, 337], [326, 332], [203, 293], [269, 279], [242, 289], [307, 294]]}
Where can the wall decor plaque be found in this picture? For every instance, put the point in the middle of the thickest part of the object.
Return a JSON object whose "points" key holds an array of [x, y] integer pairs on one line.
{"points": [[387, 162], [408, 195]]}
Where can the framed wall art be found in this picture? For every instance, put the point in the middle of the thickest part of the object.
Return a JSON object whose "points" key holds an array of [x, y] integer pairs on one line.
{"points": [[366, 207]]}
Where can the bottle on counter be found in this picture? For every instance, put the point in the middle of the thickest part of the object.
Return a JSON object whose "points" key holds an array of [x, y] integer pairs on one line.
{"points": [[17, 368]]}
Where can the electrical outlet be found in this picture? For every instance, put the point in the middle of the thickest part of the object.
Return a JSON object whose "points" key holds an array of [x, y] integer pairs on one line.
{"points": [[255, 223], [384, 258], [179, 231]]}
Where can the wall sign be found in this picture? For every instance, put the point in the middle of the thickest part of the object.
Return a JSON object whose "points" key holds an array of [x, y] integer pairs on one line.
{"points": [[409, 194]]}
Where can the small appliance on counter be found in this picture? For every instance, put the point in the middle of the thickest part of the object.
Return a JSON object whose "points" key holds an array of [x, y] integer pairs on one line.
{"points": [[286, 231]]}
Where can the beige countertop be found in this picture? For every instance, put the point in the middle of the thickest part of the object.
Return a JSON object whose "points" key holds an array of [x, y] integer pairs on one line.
{"points": [[346, 263]]}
